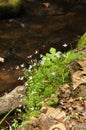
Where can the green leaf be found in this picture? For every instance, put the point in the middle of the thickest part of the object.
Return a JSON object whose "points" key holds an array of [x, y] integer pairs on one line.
{"points": [[53, 51], [82, 41]]}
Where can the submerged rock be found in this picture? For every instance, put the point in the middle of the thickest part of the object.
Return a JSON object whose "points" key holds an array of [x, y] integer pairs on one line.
{"points": [[10, 8]]}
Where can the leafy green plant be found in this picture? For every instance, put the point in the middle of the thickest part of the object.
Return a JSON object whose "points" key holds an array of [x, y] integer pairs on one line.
{"points": [[82, 41], [15, 122], [46, 77], [84, 98], [73, 55], [15, 125]]}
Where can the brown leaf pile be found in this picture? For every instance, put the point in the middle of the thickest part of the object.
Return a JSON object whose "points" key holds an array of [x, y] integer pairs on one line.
{"points": [[79, 77]]}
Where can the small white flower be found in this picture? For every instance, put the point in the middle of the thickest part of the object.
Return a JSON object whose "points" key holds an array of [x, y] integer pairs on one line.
{"points": [[10, 128], [36, 52], [30, 66], [34, 64], [33, 92], [53, 73], [20, 105], [21, 78], [26, 84], [29, 70], [17, 67], [43, 61], [65, 45], [58, 56], [29, 56], [30, 77], [41, 55], [19, 110], [32, 108], [22, 65]]}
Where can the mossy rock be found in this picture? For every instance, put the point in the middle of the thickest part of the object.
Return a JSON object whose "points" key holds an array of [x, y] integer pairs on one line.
{"points": [[9, 8]]}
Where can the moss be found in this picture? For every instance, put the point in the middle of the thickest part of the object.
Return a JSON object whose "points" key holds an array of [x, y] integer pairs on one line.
{"points": [[10, 8], [10, 2], [16, 3]]}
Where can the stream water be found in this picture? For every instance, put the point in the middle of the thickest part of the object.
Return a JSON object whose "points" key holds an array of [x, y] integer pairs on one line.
{"points": [[33, 33]]}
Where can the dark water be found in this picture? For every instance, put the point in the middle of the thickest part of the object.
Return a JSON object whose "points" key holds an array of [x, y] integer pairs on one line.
{"points": [[34, 33]]}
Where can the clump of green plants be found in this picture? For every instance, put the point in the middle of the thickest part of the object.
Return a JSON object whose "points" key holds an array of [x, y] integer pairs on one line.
{"points": [[14, 126], [82, 41], [46, 77]]}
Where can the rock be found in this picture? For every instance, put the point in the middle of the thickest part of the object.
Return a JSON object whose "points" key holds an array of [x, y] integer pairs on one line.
{"points": [[10, 8]]}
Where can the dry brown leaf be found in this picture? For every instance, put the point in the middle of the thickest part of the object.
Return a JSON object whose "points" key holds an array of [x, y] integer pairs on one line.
{"points": [[33, 121], [60, 126], [78, 78], [70, 100], [65, 87], [55, 113], [46, 4], [1, 59], [82, 62]]}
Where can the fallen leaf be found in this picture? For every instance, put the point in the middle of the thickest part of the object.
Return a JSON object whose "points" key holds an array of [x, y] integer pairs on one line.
{"points": [[82, 62], [46, 4], [78, 78], [60, 126], [1, 59]]}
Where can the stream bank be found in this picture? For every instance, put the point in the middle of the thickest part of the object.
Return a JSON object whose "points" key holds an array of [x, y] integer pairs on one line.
{"points": [[24, 38]]}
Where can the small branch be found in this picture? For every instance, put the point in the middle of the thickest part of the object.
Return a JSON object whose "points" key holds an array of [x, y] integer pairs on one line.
{"points": [[12, 99]]}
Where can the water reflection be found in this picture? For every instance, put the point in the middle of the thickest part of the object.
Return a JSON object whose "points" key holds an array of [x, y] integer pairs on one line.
{"points": [[25, 38]]}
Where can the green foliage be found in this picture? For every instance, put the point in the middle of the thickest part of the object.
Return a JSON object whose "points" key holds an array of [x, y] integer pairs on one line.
{"points": [[72, 55], [84, 98], [44, 79], [82, 41], [15, 125]]}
